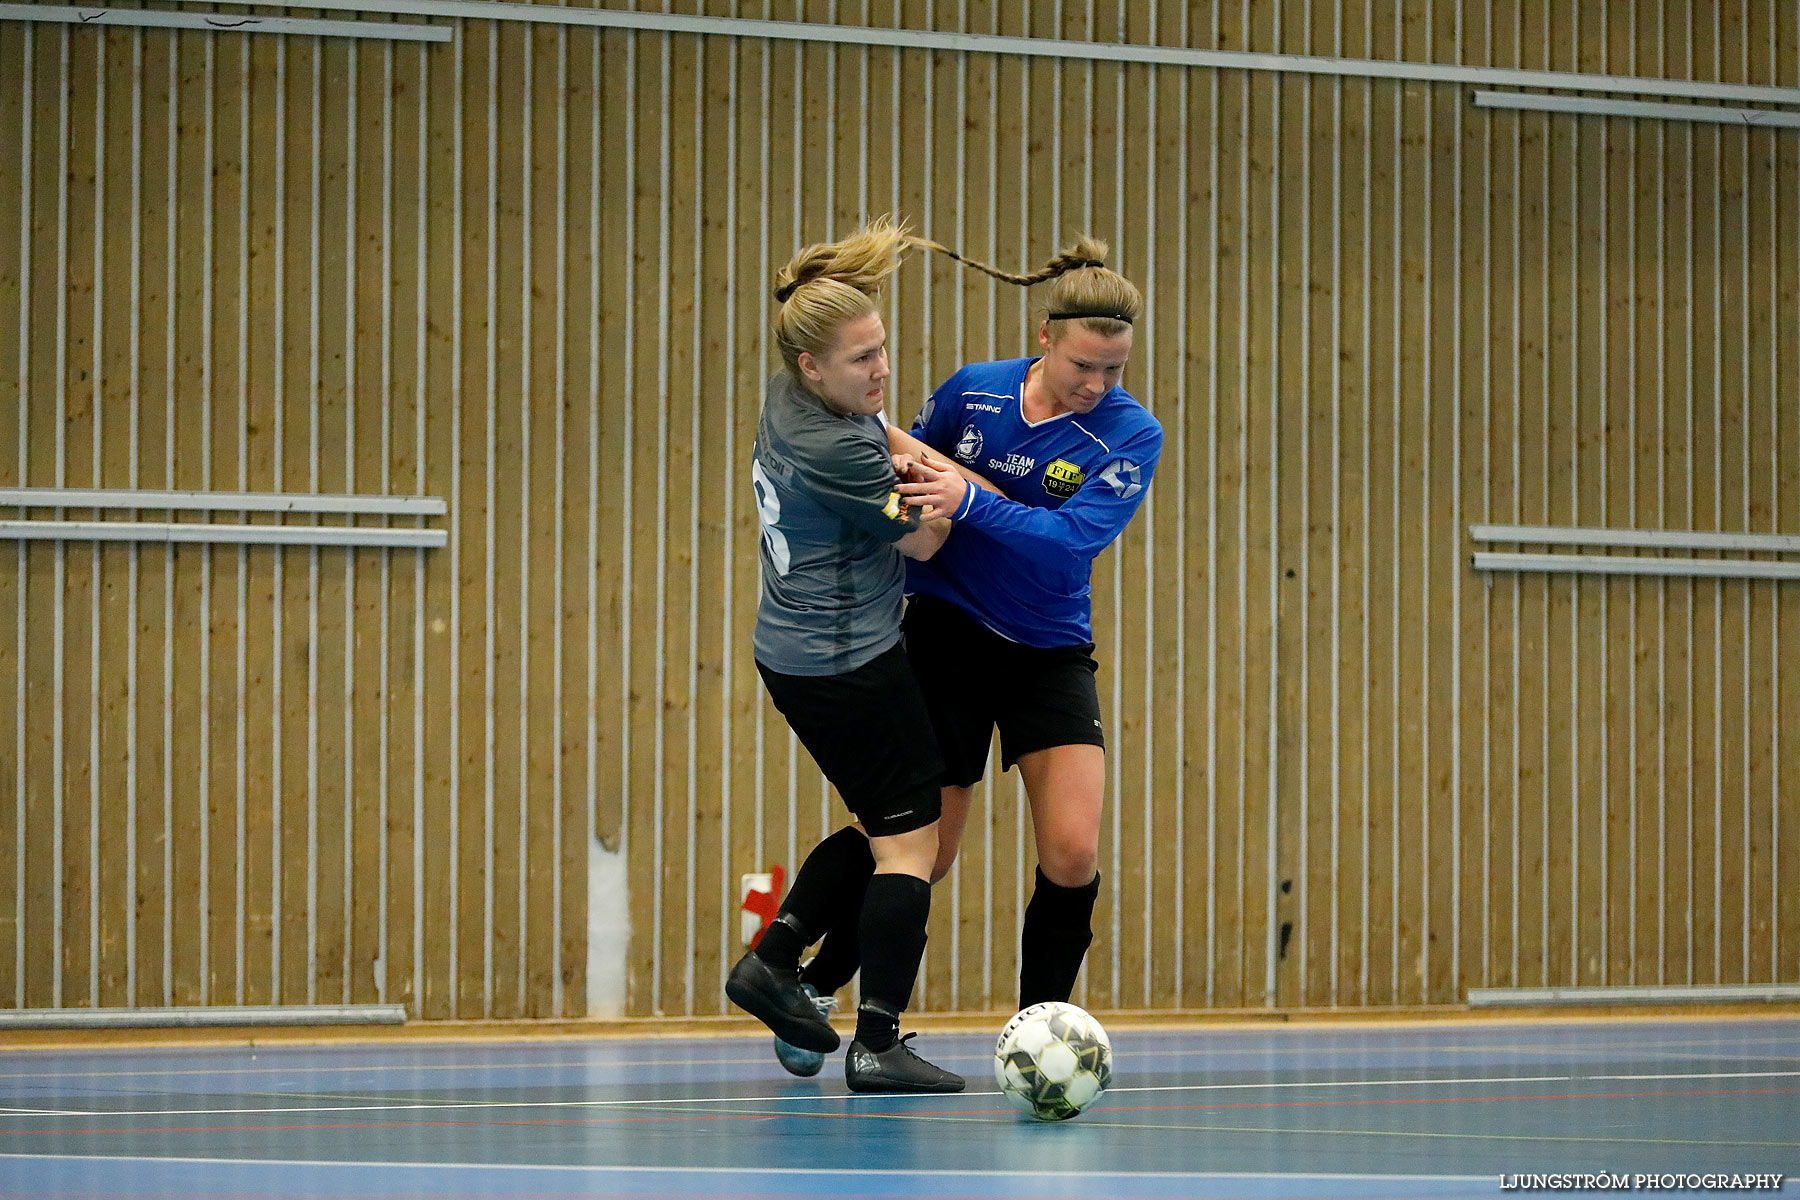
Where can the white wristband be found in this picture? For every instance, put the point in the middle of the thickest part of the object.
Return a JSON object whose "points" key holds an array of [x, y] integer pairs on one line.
{"points": [[968, 499]]}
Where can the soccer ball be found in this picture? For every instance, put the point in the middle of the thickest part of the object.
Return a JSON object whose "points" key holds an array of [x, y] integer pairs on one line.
{"points": [[1052, 1060]]}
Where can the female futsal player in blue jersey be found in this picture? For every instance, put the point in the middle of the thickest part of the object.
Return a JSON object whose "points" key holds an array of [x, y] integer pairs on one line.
{"points": [[1052, 458]]}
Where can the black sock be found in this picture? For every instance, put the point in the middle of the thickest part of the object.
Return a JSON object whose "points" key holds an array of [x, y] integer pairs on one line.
{"points": [[840, 954], [781, 943], [833, 873], [893, 938], [876, 1027], [1059, 927]]}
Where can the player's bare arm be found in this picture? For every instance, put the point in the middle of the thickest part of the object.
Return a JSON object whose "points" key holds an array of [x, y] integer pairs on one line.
{"points": [[926, 540]]}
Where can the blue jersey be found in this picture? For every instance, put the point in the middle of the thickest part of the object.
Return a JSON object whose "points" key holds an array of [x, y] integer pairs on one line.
{"points": [[1022, 563]]}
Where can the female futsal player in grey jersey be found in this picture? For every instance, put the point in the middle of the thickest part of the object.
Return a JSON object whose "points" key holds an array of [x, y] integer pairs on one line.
{"points": [[827, 646]]}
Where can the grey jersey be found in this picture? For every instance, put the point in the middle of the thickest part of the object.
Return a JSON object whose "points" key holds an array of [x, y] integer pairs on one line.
{"points": [[832, 581]]}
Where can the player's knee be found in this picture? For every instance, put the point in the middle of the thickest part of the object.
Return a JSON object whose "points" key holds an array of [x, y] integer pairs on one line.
{"points": [[911, 852], [1069, 865]]}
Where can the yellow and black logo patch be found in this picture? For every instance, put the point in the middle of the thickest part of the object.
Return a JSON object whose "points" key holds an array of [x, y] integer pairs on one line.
{"points": [[895, 510], [1062, 477]]}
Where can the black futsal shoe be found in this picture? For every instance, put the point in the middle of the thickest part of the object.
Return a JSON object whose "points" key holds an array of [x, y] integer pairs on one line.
{"points": [[773, 995], [896, 1069]]}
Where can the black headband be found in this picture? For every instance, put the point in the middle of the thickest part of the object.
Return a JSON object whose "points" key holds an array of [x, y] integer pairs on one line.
{"points": [[785, 290], [1104, 315]]}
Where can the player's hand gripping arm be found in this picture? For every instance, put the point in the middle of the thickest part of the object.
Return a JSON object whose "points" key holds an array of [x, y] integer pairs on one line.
{"points": [[929, 537], [902, 442]]}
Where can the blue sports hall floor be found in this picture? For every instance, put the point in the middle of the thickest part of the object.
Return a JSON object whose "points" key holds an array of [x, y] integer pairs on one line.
{"points": [[1429, 1109]]}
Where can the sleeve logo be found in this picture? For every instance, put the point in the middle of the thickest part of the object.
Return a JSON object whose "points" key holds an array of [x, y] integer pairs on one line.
{"points": [[894, 511], [1124, 478], [1062, 477]]}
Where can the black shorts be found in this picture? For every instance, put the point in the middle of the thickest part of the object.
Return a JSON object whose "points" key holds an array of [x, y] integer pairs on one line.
{"points": [[870, 734], [1038, 697]]}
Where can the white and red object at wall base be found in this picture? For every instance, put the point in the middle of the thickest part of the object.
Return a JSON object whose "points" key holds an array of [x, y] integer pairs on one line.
{"points": [[761, 901]]}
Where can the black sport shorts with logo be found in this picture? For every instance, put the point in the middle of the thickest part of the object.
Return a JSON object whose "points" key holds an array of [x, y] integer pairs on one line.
{"points": [[870, 733], [1038, 697]]}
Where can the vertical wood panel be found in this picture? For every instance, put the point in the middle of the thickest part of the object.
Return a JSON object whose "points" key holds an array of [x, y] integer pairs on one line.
{"points": [[222, 367], [1414, 416], [1624, 296], [1706, 499], [511, 435], [1563, 406], [1785, 819], [1291, 313], [578, 745], [996, 878], [79, 436], [1534, 770], [643, 520], [676, 477], [14, 302], [259, 574], [542, 535], [1382, 882], [290, 965], [1316, 876], [472, 979], [368, 620], [718, 479], [113, 450], [1472, 462], [1167, 798], [1235, 792], [1642, 464], [750, 252], [184, 148], [402, 234], [439, 197], [1589, 385], [1762, 508], [1350, 731], [1199, 434], [1123, 177]]}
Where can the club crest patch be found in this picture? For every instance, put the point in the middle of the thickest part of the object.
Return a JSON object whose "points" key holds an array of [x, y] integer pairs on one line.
{"points": [[968, 447], [1062, 478]]}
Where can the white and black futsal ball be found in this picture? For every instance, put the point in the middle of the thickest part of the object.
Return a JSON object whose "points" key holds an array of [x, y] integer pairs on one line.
{"points": [[1052, 1060]]}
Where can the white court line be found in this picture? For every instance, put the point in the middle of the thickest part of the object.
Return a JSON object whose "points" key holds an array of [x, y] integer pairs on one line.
{"points": [[1514, 1049], [876, 1172], [456, 1106], [1709, 1075]]}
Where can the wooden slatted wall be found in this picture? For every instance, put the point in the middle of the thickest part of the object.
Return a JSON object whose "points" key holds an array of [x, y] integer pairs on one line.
{"points": [[527, 271]]}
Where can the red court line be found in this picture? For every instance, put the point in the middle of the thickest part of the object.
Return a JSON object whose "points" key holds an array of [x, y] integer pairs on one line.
{"points": [[404, 1125], [974, 1112]]}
